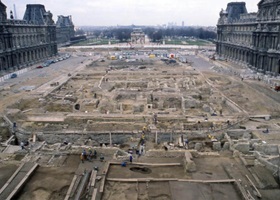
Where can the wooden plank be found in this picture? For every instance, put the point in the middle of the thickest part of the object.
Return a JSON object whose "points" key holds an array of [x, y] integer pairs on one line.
{"points": [[242, 191], [94, 194], [70, 188], [82, 186], [106, 168], [8, 141], [101, 189], [22, 182], [123, 179], [220, 181], [258, 192], [94, 173], [141, 179], [169, 179], [150, 164], [90, 179], [11, 178]]}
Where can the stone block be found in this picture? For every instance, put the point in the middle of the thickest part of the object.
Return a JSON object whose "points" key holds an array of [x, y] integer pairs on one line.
{"points": [[255, 141], [198, 146], [247, 136], [217, 146], [191, 103], [191, 167], [189, 164], [269, 149], [236, 154], [206, 108], [226, 146], [243, 147], [138, 109]]}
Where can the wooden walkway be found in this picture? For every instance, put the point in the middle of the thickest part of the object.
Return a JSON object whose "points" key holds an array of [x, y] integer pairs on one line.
{"points": [[17, 180], [169, 179]]}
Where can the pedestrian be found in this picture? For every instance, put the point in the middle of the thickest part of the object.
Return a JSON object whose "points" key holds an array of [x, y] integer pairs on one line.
{"points": [[142, 149], [102, 158], [94, 153], [186, 143], [89, 157], [228, 122], [22, 145], [82, 157], [130, 158]]}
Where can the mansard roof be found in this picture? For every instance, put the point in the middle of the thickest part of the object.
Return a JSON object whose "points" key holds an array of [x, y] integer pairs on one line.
{"points": [[267, 2], [2, 5]]}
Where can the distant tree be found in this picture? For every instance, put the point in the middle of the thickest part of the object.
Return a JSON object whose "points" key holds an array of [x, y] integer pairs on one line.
{"points": [[157, 34], [96, 33], [122, 34]]}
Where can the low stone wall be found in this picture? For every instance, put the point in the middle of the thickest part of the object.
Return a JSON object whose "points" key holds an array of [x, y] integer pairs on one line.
{"points": [[270, 166], [96, 138], [165, 154], [189, 165], [238, 133], [117, 137], [268, 149]]}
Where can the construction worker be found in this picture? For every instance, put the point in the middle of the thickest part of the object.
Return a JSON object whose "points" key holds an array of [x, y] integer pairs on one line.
{"points": [[89, 157], [94, 153], [102, 158], [130, 158], [83, 155], [22, 145]]}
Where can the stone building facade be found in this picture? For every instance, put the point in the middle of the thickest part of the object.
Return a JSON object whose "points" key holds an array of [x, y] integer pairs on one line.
{"points": [[252, 39], [25, 42], [64, 29]]}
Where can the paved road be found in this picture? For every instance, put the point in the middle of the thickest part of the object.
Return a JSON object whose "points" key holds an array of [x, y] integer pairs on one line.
{"points": [[199, 63], [64, 66], [37, 77]]}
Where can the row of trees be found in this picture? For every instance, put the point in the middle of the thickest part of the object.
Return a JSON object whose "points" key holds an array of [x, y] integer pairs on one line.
{"points": [[155, 34]]}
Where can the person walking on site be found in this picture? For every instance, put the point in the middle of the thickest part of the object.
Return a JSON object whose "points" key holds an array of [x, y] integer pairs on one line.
{"points": [[83, 156], [22, 145], [130, 158]]}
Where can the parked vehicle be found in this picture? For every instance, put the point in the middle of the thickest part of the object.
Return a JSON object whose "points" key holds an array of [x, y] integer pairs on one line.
{"points": [[277, 88], [39, 67], [47, 63], [14, 75]]}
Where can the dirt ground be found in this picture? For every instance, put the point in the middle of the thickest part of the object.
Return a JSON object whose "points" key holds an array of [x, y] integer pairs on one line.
{"points": [[117, 171], [208, 168], [6, 172], [251, 99], [50, 183]]}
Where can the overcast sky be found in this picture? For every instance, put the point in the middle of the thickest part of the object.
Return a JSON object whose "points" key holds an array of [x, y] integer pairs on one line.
{"points": [[137, 12]]}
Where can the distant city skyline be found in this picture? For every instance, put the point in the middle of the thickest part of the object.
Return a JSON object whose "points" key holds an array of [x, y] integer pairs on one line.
{"points": [[128, 12]]}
